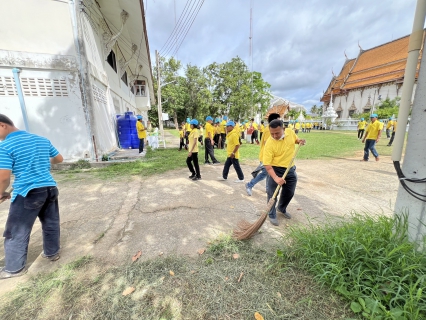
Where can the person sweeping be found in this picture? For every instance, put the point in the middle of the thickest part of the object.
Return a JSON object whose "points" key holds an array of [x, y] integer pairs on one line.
{"points": [[192, 159], [277, 156]]}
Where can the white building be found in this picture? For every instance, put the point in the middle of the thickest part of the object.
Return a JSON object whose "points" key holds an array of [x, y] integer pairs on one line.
{"points": [[374, 75], [81, 63]]}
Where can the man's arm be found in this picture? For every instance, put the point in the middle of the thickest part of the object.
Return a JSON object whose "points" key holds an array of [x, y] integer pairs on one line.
{"points": [[235, 151], [57, 159], [273, 175], [4, 183]]}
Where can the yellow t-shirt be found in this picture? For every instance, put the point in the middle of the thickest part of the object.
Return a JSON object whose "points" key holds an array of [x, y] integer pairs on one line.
{"points": [[209, 129], [193, 140], [222, 126], [279, 153], [297, 126], [395, 124], [242, 127], [254, 124], [201, 131], [217, 129], [266, 134], [303, 125], [381, 125], [389, 124], [262, 128], [140, 129], [290, 126], [181, 133], [373, 130], [188, 127], [361, 125], [232, 140]]}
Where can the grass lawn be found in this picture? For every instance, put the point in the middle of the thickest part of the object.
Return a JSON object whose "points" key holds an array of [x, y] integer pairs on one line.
{"points": [[320, 145]]}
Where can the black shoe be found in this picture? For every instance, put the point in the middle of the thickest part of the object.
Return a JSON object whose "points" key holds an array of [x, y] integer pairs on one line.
{"points": [[207, 162], [196, 178], [285, 214], [192, 176], [217, 162]]}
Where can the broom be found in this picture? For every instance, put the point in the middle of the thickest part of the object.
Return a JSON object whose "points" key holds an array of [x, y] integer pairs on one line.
{"points": [[245, 230]]}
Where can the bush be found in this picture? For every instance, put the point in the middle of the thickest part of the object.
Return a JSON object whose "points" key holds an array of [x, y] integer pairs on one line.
{"points": [[369, 261], [80, 164]]}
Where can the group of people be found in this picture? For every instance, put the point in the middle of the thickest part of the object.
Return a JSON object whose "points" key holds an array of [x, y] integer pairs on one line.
{"points": [[304, 126], [277, 147], [373, 132]]}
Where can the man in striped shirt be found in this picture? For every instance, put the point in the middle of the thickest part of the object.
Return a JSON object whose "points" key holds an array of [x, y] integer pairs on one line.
{"points": [[28, 157]]}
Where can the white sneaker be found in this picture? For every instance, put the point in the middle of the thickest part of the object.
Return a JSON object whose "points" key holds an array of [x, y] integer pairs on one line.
{"points": [[239, 181], [221, 179]]}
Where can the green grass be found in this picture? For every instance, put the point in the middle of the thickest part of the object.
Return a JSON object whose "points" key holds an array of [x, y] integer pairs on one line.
{"points": [[320, 145], [213, 285], [368, 260], [174, 132]]}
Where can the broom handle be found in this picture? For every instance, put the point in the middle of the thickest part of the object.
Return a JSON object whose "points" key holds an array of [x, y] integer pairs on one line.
{"points": [[277, 189]]}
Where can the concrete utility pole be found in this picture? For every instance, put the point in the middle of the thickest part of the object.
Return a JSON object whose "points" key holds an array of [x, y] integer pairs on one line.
{"points": [[160, 110], [412, 201]]}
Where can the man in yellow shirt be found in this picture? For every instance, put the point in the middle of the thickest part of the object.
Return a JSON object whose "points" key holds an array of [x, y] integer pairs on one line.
{"points": [[232, 152], [192, 159], [388, 126], [255, 131], [223, 132], [297, 127], [261, 173], [277, 155], [361, 128], [181, 137], [209, 142], [303, 127], [394, 124], [141, 134], [372, 136], [290, 125], [261, 129]]}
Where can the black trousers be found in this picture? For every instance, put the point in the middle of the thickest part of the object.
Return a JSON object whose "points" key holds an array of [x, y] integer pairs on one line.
{"points": [[360, 133], [209, 151], [260, 138], [391, 139], [223, 137], [232, 161], [193, 159], [182, 143], [287, 190], [141, 144], [254, 136]]}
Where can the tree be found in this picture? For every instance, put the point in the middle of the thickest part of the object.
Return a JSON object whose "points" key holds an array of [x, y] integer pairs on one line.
{"points": [[314, 109]]}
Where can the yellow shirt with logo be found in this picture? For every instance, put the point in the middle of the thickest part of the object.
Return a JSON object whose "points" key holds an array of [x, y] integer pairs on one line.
{"points": [[361, 125], [232, 140], [279, 153], [373, 130], [140, 128], [193, 140], [266, 134], [223, 126], [209, 130]]}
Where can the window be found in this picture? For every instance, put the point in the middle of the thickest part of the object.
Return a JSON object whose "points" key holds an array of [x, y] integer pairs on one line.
{"points": [[351, 113], [140, 88], [111, 60], [124, 77], [339, 114]]}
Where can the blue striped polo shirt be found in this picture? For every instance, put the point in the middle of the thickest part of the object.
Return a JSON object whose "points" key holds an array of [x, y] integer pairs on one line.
{"points": [[28, 157]]}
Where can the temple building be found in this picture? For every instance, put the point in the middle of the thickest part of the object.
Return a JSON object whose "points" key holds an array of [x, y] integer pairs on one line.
{"points": [[373, 76]]}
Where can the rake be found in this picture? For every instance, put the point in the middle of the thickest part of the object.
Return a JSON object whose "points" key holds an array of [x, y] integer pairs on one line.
{"points": [[245, 230]]}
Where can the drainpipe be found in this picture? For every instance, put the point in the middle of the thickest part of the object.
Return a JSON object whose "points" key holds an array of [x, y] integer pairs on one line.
{"points": [[414, 46], [16, 72]]}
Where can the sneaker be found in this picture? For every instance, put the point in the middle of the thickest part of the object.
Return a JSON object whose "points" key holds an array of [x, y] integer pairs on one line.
{"points": [[196, 178], [248, 190], [274, 221], [285, 214], [7, 275], [51, 258], [191, 176], [207, 162], [239, 181], [222, 179]]}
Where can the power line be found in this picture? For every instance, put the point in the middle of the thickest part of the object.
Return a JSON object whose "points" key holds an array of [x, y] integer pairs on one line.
{"points": [[176, 25], [181, 27], [183, 39]]}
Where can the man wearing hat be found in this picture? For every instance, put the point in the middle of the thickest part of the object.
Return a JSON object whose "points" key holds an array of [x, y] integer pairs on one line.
{"points": [[232, 152], [223, 131], [187, 131], [372, 136], [361, 128], [388, 126], [209, 142], [192, 159], [140, 128], [394, 124]]}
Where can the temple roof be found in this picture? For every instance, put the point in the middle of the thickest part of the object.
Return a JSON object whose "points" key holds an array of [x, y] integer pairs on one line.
{"points": [[382, 64]]}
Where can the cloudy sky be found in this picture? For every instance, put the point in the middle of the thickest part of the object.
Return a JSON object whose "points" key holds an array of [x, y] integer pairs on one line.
{"points": [[296, 43]]}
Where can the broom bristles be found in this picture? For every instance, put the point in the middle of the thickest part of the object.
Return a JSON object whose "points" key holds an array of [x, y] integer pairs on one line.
{"points": [[245, 230]]}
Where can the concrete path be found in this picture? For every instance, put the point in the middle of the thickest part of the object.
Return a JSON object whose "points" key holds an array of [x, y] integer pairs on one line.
{"points": [[170, 214]]}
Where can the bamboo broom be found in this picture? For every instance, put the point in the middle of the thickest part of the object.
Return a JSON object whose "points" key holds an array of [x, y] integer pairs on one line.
{"points": [[245, 230]]}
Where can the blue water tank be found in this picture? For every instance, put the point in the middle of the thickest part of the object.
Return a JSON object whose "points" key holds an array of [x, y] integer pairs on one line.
{"points": [[126, 129]]}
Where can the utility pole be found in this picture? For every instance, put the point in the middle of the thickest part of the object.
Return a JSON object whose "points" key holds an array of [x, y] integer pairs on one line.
{"points": [[160, 110], [411, 197]]}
